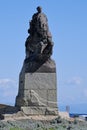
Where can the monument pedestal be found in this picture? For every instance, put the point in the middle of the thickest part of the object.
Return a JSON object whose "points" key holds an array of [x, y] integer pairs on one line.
{"points": [[37, 91], [38, 110]]}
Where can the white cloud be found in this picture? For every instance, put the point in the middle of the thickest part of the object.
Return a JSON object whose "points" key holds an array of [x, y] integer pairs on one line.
{"points": [[8, 90], [6, 81], [74, 81]]}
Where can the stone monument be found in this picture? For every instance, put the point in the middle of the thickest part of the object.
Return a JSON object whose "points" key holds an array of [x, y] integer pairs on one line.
{"points": [[37, 92]]}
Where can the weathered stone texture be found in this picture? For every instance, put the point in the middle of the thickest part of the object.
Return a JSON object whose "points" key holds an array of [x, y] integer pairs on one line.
{"points": [[37, 88], [35, 110]]}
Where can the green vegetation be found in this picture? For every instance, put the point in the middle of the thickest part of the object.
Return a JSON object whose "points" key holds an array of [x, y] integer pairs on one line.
{"points": [[16, 129], [51, 128], [55, 124]]}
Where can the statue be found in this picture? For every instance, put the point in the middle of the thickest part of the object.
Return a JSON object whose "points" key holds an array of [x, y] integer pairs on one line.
{"points": [[39, 42], [37, 80]]}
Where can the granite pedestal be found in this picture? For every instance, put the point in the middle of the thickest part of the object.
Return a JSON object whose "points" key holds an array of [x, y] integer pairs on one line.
{"points": [[38, 91]]}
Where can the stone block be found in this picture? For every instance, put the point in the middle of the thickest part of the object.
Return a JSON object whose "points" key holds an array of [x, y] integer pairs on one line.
{"points": [[37, 89], [40, 81], [39, 97], [52, 97], [34, 110]]}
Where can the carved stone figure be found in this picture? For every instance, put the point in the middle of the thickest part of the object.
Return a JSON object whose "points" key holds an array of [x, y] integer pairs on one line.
{"points": [[39, 42]]}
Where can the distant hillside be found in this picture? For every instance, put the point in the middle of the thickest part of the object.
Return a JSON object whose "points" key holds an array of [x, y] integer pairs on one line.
{"points": [[3, 105]]}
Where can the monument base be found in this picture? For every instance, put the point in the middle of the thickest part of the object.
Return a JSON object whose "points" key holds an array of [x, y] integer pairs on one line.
{"points": [[37, 93], [34, 110]]}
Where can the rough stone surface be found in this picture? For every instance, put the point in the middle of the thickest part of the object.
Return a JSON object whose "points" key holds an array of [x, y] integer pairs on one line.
{"points": [[40, 81], [37, 89], [47, 67], [39, 111], [39, 42]]}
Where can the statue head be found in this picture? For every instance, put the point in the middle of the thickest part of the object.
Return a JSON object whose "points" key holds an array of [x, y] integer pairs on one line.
{"points": [[39, 9]]}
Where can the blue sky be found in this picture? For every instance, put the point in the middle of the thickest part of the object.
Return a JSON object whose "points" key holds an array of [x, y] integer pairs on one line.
{"points": [[67, 21]]}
